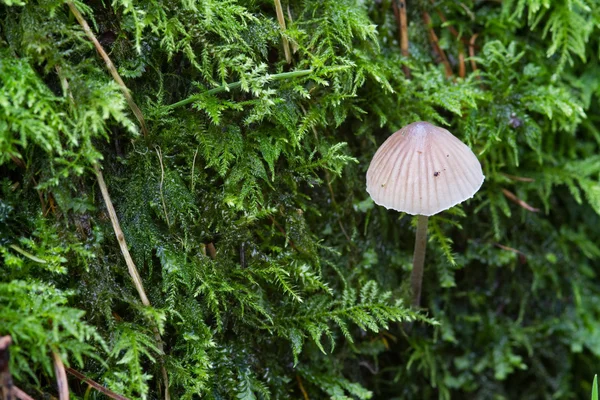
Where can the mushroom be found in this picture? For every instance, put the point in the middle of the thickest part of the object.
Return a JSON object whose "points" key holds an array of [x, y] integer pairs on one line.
{"points": [[421, 170]]}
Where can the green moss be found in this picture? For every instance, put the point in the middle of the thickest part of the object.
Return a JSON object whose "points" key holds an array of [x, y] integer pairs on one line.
{"points": [[265, 162]]}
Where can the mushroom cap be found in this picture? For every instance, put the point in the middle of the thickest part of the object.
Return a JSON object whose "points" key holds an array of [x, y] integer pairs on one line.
{"points": [[423, 169]]}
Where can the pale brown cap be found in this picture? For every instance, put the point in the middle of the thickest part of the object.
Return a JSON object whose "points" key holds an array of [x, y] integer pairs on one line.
{"points": [[423, 169]]}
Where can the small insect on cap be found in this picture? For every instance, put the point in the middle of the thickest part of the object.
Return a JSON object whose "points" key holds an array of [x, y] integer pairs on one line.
{"points": [[423, 169]]}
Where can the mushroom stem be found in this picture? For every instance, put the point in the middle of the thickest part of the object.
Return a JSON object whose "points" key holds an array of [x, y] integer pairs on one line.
{"points": [[416, 277]]}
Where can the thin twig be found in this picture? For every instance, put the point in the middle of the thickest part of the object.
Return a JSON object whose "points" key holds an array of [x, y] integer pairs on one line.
{"points": [[19, 394], [461, 64], [519, 178], [212, 251], [301, 386], [511, 196], [294, 44], [452, 30], [522, 256], [281, 20], [61, 376], [436, 44], [133, 272], [509, 249], [17, 161], [95, 385], [400, 12], [109, 64], [472, 51], [235, 85]]}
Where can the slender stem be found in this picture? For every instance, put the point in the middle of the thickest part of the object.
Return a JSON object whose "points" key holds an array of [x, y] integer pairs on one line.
{"points": [[400, 13], [281, 19], [27, 254], [109, 64], [235, 85], [403, 28], [416, 277], [61, 376], [95, 385], [133, 271]]}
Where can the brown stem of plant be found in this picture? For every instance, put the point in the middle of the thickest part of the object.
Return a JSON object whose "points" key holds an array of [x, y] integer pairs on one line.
{"points": [[416, 277], [212, 251], [511, 196], [301, 386], [109, 64], [519, 178], [503, 247], [281, 20], [19, 394], [95, 385], [436, 44], [452, 30], [61, 376], [461, 64], [294, 45], [133, 272], [400, 13]]}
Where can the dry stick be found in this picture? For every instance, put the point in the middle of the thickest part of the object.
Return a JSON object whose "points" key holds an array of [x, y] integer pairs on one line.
{"points": [[294, 44], [281, 20], [400, 13], [416, 276], [511, 196], [19, 394], [133, 272], [403, 28], [461, 64], [503, 247], [61, 377], [212, 251], [519, 178], [301, 386], [452, 30], [436, 44], [111, 67], [95, 385], [472, 51]]}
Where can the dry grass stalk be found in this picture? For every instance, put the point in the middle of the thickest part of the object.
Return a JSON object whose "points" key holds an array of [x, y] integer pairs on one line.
{"points": [[111, 67]]}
